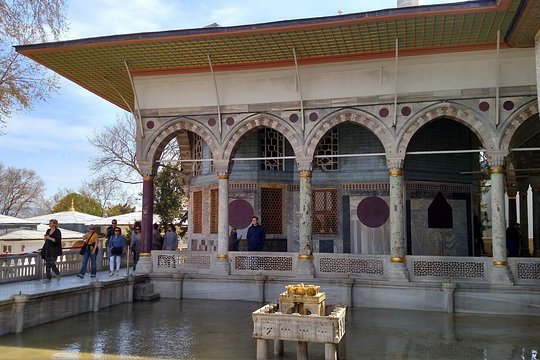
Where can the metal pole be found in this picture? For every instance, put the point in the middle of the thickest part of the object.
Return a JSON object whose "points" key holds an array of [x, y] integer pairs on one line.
{"points": [[497, 115], [136, 100], [396, 83], [216, 90], [299, 89], [127, 260]]}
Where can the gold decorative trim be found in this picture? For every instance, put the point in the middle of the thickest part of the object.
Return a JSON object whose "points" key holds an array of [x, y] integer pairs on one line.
{"points": [[223, 257], [496, 170], [148, 178], [306, 174], [398, 260], [223, 176], [500, 263], [305, 257], [395, 172], [145, 254]]}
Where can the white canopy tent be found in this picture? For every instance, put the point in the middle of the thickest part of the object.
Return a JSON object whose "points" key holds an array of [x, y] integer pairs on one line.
{"points": [[122, 220]]}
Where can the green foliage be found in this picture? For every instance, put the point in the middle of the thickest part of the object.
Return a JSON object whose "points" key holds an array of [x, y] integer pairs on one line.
{"points": [[84, 204], [120, 209], [169, 194]]}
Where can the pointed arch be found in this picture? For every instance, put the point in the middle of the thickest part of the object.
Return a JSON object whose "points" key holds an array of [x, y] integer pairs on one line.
{"points": [[519, 117], [171, 129], [261, 120], [365, 119], [482, 130]]}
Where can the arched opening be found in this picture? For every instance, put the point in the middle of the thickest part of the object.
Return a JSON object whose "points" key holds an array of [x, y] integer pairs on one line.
{"points": [[262, 178], [350, 179], [442, 172], [524, 163], [186, 154]]}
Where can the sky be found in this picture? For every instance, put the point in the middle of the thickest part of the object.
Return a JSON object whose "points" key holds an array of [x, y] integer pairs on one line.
{"points": [[52, 138]]}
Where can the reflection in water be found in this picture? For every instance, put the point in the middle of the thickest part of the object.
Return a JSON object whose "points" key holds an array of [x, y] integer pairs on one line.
{"points": [[203, 329]]}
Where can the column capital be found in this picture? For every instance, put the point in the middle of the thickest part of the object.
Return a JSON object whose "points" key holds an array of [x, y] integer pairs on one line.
{"points": [[147, 168], [222, 167], [394, 164], [305, 164], [496, 159]]}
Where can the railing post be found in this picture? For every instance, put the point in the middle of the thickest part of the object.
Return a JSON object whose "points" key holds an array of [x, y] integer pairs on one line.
{"points": [[17, 315], [39, 267]]}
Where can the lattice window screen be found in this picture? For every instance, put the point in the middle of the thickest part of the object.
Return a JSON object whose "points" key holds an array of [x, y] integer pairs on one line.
{"points": [[272, 145], [328, 146], [325, 212], [197, 212], [271, 210], [214, 210], [197, 154]]}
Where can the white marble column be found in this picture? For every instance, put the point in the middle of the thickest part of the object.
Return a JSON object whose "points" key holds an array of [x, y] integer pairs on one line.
{"points": [[305, 256], [222, 263], [523, 188], [398, 248], [500, 271]]}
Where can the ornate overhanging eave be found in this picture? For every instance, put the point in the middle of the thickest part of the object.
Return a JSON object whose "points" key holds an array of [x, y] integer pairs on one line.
{"points": [[99, 64]]}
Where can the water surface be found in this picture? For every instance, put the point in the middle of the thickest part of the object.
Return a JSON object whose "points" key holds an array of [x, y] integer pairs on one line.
{"points": [[211, 329]]}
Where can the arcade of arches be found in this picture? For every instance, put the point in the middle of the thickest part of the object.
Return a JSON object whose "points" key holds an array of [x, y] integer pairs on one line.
{"points": [[348, 181]]}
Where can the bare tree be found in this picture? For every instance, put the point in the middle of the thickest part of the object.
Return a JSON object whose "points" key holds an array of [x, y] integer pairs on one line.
{"points": [[105, 191], [116, 148], [22, 81], [21, 190]]}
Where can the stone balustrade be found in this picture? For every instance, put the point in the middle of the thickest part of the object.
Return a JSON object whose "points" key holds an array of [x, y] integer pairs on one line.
{"points": [[525, 271], [30, 266]]}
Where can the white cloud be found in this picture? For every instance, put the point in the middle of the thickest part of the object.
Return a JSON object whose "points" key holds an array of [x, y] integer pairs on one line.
{"points": [[52, 139]]}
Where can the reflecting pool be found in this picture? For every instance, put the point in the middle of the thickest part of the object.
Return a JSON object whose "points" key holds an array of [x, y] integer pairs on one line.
{"points": [[210, 329]]}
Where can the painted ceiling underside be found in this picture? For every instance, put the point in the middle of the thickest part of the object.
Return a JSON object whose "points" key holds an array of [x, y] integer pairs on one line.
{"points": [[101, 64]]}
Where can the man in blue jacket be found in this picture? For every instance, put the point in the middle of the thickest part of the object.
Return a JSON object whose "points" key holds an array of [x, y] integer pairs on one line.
{"points": [[255, 235]]}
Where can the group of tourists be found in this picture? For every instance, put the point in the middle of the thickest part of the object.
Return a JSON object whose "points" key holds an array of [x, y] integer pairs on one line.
{"points": [[116, 245], [169, 241]]}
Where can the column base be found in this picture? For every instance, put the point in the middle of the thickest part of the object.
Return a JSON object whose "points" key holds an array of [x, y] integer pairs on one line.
{"points": [[144, 265], [500, 275], [305, 268], [222, 267], [397, 271]]}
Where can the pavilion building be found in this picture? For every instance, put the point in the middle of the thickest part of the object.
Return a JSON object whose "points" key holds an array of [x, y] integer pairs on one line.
{"points": [[365, 133]]}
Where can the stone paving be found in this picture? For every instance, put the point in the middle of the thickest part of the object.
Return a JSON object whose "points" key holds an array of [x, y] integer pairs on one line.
{"points": [[33, 287]]}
